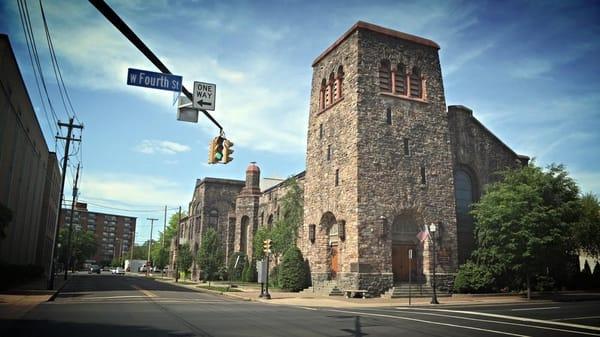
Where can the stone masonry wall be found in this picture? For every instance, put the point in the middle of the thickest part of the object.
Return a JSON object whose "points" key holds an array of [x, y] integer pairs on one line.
{"points": [[389, 181], [339, 130]]}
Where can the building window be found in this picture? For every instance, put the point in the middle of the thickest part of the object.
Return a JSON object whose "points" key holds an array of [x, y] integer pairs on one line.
{"points": [[340, 81], [213, 218], [320, 131], [384, 76], [423, 180], [262, 219], [406, 147], [323, 94], [388, 116], [416, 89], [400, 88], [337, 177], [270, 220], [328, 152]]}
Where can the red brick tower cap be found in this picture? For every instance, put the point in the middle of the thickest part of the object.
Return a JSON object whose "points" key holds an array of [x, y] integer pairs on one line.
{"points": [[253, 168]]}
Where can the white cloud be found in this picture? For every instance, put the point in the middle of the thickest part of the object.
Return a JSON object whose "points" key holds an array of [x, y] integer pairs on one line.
{"points": [[133, 189], [161, 146]]}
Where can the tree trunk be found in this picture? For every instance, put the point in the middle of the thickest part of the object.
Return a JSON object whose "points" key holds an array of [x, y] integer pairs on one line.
{"points": [[528, 288]]}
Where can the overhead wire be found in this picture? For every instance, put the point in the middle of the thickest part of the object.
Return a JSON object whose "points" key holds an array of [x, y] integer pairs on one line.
{"points": [[51, 124], [56, 67]]}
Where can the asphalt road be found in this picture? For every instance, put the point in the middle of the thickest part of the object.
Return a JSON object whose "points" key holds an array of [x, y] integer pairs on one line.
{"points": [[111, 305]]}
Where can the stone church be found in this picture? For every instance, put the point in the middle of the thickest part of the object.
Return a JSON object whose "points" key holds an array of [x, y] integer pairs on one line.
{"points": [[385, 158]]}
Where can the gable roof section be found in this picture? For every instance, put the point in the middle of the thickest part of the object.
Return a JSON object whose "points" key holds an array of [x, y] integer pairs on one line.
{"points": [[380, 30]]}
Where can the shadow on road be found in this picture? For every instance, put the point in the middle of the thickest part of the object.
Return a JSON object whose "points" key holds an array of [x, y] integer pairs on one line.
{"points": [[62, 329], [84, 283]]}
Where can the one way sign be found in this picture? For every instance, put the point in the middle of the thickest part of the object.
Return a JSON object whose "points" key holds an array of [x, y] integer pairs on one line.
{"points": [[204, 96]]}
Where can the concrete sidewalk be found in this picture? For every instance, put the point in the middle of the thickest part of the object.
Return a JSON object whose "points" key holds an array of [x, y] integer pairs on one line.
{"points": [[16, 302], [315, 300]]}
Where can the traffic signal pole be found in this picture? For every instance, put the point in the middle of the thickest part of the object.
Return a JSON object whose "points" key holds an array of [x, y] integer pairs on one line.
{"points": [[111, 16]]}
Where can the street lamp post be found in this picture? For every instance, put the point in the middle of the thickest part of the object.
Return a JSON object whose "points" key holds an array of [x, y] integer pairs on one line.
{"points": [[433, 230]]}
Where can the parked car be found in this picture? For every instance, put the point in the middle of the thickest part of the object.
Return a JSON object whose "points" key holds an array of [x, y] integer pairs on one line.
{"points": [[118, 271], [94, 269]]}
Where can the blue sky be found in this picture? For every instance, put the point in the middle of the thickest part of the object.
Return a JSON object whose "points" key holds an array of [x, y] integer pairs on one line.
{"points": [[528, 69]]}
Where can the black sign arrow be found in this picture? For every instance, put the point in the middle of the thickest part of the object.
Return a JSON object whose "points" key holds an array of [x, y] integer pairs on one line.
{"points": [[201, 103]]}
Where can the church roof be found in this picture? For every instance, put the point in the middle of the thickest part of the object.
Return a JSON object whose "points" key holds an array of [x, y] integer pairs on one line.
{"points": [[380, 30]]}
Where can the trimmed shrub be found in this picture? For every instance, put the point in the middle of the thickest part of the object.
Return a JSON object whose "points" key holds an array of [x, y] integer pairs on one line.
{"points": [[292, 270], [472, 278]]}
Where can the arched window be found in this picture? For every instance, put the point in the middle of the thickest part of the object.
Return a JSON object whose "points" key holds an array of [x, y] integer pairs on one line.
{"points": [[213, 218], [322, 94], [405, 228], [340, 81], [384, 76], [416, 89], [262, 219], [332, 87], [270, 220], [244, 234], [401, 80], [464, 192]]}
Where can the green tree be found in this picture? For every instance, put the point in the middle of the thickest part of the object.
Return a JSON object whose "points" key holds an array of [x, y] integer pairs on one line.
{"points": [[83, 245], [5, 219], [262, 234], [523, 222], [184, 259], [210, 255], [285, 230], [161, 248], [292, 271], [586, 232]]}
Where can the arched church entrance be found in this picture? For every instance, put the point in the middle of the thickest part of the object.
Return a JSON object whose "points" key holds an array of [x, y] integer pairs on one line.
{"points": [[404, 245], [328, 225]]}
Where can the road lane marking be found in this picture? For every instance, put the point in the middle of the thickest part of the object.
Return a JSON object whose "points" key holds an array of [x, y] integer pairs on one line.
{"points": [[309, 308], [542, 308], [575, 318], [430, 322], [148, 293], [499, 322], [523, 319], [83, 299]]}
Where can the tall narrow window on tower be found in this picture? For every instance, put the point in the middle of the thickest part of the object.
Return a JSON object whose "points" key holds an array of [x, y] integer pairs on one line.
{"points": [[320, 131], [406, 147], [333, 88], [401, 80], [384, 76], [340, 81], [388, 116], [328, 152], [423, 180], [416, 89], [322, 95], [327, 94], [337, 177]]}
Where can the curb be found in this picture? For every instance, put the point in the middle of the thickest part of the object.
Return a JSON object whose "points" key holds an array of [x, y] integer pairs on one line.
{"points": [[202, 290], [53, 296]]}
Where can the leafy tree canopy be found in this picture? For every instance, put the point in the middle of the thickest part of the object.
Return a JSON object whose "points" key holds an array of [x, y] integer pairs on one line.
{"points": [[523, 223], [210, 255]]}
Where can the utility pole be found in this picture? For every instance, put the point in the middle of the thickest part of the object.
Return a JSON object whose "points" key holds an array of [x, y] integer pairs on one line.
{"points": [[68, 139], [150, 242], [164, 228], [73, 202], [177, 247], [132, 247]]}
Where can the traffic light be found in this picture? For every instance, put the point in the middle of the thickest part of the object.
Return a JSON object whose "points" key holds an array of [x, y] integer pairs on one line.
{"points": [[267, 246], [215, 150], [227, 151]]}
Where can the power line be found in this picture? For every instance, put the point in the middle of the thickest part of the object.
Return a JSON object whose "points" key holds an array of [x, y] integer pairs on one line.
{"points": [[127, 210], [57, 67], [51, 124]]}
